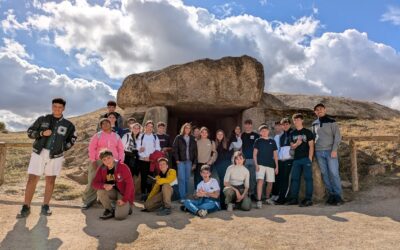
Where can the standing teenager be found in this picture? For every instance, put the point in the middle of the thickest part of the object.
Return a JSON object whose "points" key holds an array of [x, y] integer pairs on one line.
{"points": [[53, 135]]}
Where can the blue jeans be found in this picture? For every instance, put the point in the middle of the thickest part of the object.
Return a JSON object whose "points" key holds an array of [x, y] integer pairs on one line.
{"points": [[184, 169], [299, 166], [330, 172], [204, 203], [253, 182]]}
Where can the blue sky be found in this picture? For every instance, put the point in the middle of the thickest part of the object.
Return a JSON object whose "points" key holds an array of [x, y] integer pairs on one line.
{"points": [[339, 48]]}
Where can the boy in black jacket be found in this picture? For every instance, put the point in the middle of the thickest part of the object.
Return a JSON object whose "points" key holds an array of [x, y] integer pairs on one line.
{"points": [[53, 136]]}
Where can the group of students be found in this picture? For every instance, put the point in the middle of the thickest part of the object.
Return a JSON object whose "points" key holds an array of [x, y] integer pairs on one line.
{"points": [[243, 163]]}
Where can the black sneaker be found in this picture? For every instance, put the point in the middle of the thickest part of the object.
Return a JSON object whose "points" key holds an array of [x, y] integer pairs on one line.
{"points": [[130, 211], [306, 203], [292, 202], [280, 202], [25, 211], [183, 208], [46, 210], [164, 212], [107, 215], [337, 201], [330, 200]]}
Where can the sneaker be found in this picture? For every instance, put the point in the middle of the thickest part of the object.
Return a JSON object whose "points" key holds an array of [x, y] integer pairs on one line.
{"points": [[164, 212], [292, 202], [280, 202], [107, 215], [274, 197], [130, 211], [144, 210], [306, 203], [230, 207], [86, 206], [46, 210], [330, 200], [202, 213], [259, 204], [270, 201], [183, 208], [337, 201], [182, 201], [25, 211]]}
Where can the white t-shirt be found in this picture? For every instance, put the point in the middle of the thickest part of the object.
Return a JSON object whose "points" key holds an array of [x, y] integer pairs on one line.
{"points": [[150, 144], [209, 187]]}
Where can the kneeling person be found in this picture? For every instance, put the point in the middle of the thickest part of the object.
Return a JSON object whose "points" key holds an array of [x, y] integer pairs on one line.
{"points": [[165, 187], [114, 183], [207, 195]]}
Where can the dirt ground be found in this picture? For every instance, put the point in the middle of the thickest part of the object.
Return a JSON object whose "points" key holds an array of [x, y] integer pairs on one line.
{"points": [[370, 221]]}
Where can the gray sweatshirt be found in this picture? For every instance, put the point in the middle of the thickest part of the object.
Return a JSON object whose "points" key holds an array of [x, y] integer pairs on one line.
{"points": [[327, 134]]}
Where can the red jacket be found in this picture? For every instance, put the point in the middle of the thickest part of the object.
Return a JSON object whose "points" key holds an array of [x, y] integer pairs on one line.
{"points": [[154, 160], [124, 181]]}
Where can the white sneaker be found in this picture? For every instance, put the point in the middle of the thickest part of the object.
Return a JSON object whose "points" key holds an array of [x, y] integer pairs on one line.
{"points": [[202, 212], [259, 204], [275, 197], [270, 201], [230, 207]]}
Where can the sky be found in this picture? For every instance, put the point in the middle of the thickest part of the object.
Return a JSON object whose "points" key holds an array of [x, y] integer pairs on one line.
{"points": [[82, 50]]}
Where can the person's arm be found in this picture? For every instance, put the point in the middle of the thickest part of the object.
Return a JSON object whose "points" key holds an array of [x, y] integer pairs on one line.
{"points": [[129, 186], [276, 162], [71, 138], [255, 153], [176, 149], [93, 148], [214, 154], [336, 139], [171, 177], [121, 151], [98, 182], [34, 131], [311, 151], [158, 148], [214, 194]]}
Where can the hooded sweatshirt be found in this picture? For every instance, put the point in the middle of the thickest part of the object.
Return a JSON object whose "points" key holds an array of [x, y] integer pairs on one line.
{"points": [[327, 134]]}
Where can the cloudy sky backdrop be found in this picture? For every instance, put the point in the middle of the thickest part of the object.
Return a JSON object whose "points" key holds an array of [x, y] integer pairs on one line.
{"points": [[83, 49]]}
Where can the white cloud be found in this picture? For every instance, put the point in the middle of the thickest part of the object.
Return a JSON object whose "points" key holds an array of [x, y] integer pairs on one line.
{"points": [[263, 2], [13, 47], [27, 90], [392, 15], [138, 35]]}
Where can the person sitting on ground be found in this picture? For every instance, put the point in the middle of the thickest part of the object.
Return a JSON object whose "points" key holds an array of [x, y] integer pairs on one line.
{"points": [[266, 160], [165, 190], [114, 183], [236, 181], [206, 197]]}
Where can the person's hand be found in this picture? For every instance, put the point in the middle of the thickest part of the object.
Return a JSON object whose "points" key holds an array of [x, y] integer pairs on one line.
{"points": [[141, 149], [201, 193], [299, 140], [193, 167], [108, 187], [334, 154], [46, 132], [120, 203], [276, 171], [239, 197]]}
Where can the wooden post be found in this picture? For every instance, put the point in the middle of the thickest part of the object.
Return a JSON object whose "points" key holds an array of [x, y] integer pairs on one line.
{"points": [[3, 151], [354, 170]]}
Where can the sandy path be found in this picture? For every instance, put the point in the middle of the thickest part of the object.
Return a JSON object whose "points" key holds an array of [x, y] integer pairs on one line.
{"points": [[372, 221]]}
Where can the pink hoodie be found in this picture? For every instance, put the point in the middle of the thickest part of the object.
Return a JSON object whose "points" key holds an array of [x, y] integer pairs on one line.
{"points": [[102, 140]]}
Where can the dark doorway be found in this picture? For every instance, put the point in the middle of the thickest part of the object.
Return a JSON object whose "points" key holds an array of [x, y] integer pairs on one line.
{"points": [[212, 120]]}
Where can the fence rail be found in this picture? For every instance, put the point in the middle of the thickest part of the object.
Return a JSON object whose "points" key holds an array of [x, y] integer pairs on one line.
{"points": [[351, 139]]}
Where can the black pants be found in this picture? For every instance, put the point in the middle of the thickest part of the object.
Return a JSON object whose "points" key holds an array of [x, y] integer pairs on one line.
{"points": [[144, 169], [285, 167], [196, 176], [132, 162]]}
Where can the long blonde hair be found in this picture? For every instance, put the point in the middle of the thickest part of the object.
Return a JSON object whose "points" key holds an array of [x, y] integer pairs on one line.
{"points": [[182, 131]]}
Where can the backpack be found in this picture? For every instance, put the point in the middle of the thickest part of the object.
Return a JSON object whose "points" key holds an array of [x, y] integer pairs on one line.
{"points": [[154, 141]]}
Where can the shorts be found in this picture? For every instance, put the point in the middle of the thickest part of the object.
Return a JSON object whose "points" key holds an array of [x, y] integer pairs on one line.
{"points": [[270, 172], [42, 164]]}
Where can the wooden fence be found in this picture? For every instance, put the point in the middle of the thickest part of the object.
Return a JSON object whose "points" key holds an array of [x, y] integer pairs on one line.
{"points": [[351, 139]]}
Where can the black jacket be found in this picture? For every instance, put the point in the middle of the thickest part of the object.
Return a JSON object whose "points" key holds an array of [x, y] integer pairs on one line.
{"points": [[64, 139], [179, 147]]}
